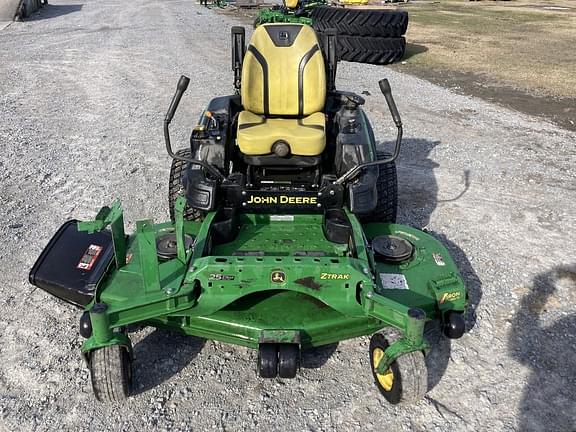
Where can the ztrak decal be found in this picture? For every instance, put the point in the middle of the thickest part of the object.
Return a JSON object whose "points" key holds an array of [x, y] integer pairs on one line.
{"points": [[282, 200], [278, 277], [335, 276], [89, 258], [452, 296]]}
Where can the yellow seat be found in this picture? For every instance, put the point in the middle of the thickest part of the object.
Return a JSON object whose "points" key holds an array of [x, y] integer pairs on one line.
{"points": [[305, 136], [283, 91]]}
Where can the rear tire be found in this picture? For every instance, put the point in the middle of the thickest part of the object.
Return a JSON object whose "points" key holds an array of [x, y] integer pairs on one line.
{"points": [[387, 190], [111, 373], [176, 189], [357, 22], [371, 50]]}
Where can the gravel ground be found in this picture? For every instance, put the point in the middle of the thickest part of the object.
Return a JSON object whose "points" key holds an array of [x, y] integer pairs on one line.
{"points": [[83, 90]]}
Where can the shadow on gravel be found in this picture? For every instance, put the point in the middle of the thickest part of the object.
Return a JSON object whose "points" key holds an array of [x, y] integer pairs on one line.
{"points": [[315, 358], [161, 355], [417, 200], [549, 399], [53, 11], [413, 49]]}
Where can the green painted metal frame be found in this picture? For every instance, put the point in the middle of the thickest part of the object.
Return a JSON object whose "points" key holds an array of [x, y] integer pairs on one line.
{"points": [[231, 298]]}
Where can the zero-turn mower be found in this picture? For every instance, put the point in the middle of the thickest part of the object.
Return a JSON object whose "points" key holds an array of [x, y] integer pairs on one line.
{"points": [[282, 234]]}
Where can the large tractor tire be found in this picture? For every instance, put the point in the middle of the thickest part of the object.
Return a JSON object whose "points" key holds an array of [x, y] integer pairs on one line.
{"points": [[357, 22], [372, 50]]}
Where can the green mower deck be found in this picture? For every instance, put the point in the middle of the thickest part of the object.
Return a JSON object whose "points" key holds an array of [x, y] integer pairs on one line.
{"points": [[279, 281]]}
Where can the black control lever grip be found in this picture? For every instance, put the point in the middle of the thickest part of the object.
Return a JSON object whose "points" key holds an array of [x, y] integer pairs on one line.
{"points": [[180, 89], [387, 92]]}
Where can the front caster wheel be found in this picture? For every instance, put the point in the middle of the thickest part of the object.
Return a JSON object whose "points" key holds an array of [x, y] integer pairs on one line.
{"points": [[406, 379], [268, 360], [111, 372], [454, 325], [288, 360]]}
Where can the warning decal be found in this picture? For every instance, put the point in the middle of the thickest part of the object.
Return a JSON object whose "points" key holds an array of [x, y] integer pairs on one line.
{"points": [[89, 257], [393, 281]]}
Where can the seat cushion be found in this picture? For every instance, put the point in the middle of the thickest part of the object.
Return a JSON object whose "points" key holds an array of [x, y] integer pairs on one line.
{"points": [[283, 72], [306, 136]]}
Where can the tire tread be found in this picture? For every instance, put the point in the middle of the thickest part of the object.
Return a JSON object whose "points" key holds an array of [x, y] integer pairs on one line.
{"points": [[356, 22], [387, 190], [371, 50], [411, 369], [175, 188], [110, 374]]}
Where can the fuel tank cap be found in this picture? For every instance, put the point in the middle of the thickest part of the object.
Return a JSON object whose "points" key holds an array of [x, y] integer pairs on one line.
{"points": [[391, 248]]}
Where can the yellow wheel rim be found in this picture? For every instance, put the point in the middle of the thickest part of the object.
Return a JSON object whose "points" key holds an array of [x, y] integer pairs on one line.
{"points": [[386, 380]]}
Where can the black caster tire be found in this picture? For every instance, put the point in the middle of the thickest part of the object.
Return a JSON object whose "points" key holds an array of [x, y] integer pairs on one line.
{"points": [[111, 373], [268, 360], [288, 360], [406, 380], [454, 325]]}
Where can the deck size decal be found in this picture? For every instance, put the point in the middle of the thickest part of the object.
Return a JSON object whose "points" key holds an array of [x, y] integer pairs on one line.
{"points": [[451, 296], [89, 258], [393, 281], [335, 276]]}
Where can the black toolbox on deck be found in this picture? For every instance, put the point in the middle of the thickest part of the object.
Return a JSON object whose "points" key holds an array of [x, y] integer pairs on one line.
{"points": [[73, 263]]}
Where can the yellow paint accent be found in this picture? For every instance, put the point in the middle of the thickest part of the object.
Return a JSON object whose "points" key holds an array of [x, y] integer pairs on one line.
{"points": [[291, 4], [303, 141], [386, 380], [283, 63]]}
